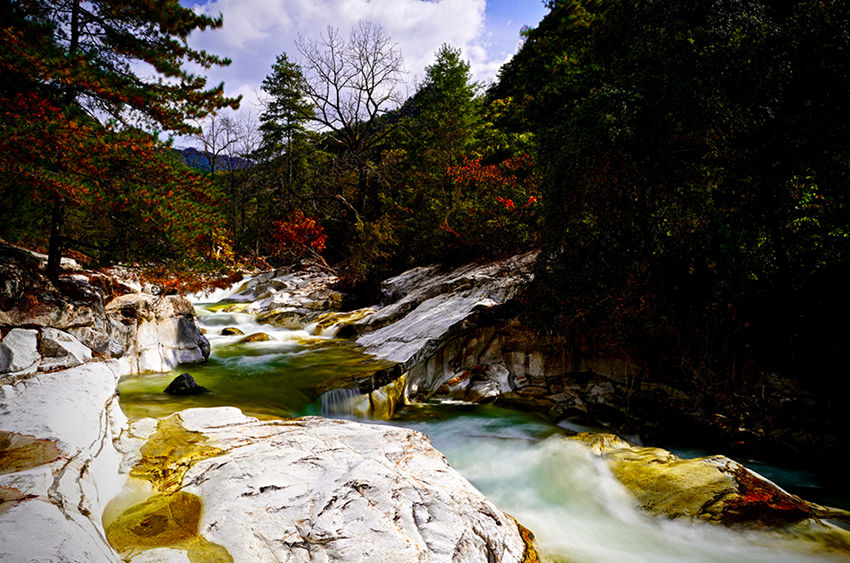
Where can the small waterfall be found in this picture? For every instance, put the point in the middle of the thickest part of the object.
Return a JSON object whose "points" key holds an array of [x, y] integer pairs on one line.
{"points": [[340, 401]]}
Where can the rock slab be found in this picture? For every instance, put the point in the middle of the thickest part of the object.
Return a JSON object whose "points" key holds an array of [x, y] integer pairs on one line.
{"points": [[427, 307], [315, 489], [58, 464]]}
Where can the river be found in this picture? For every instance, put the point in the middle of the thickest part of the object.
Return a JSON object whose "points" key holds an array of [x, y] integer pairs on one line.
{"points": [[555, 487]]}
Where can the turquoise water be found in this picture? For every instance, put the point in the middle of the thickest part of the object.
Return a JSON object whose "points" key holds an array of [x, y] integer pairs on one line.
{"points": [[282, 377], [523, 463]]}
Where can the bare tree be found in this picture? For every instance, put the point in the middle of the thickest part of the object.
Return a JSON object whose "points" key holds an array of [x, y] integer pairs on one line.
{"points": [[217, 138], [350, 84]]}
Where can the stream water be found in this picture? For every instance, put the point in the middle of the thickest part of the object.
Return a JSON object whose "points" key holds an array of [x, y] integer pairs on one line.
{"points": [[555, 487]]}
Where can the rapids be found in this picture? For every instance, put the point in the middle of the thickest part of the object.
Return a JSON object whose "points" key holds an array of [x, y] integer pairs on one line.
{"points": [[555, 487]]}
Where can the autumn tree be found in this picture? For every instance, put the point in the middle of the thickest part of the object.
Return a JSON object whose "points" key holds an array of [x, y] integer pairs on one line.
{"points": [[80, 64]]}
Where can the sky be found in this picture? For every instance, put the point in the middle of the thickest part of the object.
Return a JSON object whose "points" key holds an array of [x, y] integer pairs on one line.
{"points": [[256, 31]]}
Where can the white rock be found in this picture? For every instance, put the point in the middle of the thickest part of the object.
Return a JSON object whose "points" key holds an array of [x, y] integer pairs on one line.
{"points": [[162, 555], [36, 530], [315, 489], [19, 351], [432, 307], [309, 290], [62, 350], [161, 333], [74, 414]]}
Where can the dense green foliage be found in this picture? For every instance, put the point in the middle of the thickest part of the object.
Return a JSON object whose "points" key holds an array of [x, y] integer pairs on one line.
{"points": [[431, 180], [74, 112], [696, 163]]}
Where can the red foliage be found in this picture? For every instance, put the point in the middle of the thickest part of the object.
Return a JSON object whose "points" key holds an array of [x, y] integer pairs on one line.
{"points": [[485, 210], [297, 236], [126, 177]]}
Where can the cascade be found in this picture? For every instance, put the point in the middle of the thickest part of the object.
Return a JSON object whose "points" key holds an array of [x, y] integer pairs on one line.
{"points": [[339, 402]]}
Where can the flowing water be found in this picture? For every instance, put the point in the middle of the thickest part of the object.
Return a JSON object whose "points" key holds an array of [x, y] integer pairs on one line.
{"points": [[555, 487]]}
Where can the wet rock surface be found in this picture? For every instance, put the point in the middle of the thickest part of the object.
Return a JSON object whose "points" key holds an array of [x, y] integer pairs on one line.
{"points": [[713, 489], [256, 337], [319, 489], [288, 297]]}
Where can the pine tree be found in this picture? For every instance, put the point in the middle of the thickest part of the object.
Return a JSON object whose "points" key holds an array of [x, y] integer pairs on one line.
{"points": [[79, 62], [284, 118]]}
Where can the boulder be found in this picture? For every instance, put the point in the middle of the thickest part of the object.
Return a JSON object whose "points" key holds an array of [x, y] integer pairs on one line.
{"points": [[713, 489], [231, 331], [159, 333], [19, 352], [62, 350], [256, 337], [185, 384], [286, 317], [328, 490]]}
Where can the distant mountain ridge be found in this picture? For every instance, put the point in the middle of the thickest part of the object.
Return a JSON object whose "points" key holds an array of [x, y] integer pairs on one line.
{"points": [[200, 160]]}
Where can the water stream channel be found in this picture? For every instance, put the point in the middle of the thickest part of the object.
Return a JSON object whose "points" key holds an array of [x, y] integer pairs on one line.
{"points": [[556, 488]]}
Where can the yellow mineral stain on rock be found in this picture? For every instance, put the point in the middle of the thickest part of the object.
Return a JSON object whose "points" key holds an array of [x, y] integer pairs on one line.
{"points": [[284, 318], [334, 318], [164, 520], [256, 337], [224, 306], [169, 453], [386, 400], [19, 452], [530, 554], [9, 496], [160, 514]]}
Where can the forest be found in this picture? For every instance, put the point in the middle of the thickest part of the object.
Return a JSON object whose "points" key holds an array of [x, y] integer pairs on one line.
{"points": [[683, 166]]}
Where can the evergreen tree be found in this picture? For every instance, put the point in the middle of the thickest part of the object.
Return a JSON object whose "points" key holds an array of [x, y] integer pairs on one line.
{"points": [[282, 123], [439, 129], [78, 63], [447, 111]]}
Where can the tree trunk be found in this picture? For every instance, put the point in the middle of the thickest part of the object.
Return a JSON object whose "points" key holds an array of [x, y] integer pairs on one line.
{"points": [[361, 189], [54, 250]]}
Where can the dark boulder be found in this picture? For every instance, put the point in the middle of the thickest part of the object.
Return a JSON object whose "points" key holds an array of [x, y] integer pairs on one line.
{"points": [[185, 384]]}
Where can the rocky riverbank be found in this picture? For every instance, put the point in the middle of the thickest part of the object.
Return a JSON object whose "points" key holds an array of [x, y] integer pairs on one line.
{"points": [[62, 351], [78, 482], [458, 334], [67, 450], [455, 334]]}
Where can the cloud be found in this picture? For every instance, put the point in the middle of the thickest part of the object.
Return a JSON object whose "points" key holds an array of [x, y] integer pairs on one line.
{"points": [[256, 31]]}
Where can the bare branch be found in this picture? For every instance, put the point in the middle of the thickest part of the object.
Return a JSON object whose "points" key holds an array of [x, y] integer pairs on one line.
{"points": [[350, 83]]}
